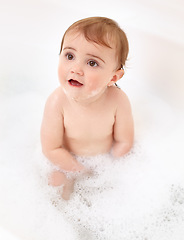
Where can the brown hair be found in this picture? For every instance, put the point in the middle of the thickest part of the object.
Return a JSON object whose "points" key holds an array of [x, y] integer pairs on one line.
{"points": [[102, 31]]}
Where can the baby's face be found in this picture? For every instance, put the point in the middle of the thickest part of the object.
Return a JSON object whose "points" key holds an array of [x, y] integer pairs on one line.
{"points": [[85, 68]]}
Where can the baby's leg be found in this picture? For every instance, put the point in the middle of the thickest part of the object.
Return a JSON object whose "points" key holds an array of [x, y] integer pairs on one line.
{"points": [[58, 178]]}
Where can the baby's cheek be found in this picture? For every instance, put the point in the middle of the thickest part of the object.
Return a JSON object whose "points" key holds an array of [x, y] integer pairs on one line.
{"points": [[95, 90], [59, 67], [60, 73], [93, 84], [59, 70]]}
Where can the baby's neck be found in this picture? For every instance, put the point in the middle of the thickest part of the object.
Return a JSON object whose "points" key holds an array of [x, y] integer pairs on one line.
{"points": [[89, 102]]}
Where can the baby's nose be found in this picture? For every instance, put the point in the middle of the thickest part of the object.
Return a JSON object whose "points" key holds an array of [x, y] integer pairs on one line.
{"points": [[77, 68]]}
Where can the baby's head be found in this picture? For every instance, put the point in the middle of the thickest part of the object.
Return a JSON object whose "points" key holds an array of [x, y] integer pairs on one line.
{"points": [[102, 31]]}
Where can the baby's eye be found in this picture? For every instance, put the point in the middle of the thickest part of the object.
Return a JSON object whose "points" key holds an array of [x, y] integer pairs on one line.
{"points": [[69, 56], [92, 63]]}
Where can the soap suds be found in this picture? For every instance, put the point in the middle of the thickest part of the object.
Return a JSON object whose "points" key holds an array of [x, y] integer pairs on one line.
{"points": [[139, 196]]}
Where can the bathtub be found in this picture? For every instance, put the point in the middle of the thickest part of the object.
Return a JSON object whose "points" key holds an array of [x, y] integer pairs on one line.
{"points": [[144, 196]]}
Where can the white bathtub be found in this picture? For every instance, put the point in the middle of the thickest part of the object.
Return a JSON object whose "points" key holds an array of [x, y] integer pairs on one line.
{"points": [[152, 178], [6, 235]]}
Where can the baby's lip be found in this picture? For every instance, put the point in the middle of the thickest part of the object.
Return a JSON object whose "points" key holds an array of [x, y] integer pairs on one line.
{"points": [[75, 83]]}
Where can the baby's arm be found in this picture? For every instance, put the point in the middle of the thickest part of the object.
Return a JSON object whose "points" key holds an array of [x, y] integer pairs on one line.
{"points": [[52, 131], [123, 127]]}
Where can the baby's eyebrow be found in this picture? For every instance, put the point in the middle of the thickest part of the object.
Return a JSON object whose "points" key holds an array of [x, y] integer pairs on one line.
{"points": [[89, 54], [69, 48]]}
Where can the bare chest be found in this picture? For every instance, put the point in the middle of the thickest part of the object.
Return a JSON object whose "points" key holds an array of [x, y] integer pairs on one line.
{"points": [[88, 124]]}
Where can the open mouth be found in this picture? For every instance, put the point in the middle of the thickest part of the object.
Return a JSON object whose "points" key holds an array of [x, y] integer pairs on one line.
{"points": [[75, 83]]}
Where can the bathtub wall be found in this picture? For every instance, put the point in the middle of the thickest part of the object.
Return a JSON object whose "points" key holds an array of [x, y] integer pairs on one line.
{"points": [[32, 31], [157, 63]]}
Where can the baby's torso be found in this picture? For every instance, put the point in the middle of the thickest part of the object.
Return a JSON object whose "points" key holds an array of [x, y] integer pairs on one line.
{"points": [[89, 131]]}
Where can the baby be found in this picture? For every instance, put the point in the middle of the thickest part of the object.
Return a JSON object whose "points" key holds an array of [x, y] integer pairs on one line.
{"points": [[88, 114]]}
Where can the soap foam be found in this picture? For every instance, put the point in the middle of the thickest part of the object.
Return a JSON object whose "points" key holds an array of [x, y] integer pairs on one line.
{"points": [[138, 196]]}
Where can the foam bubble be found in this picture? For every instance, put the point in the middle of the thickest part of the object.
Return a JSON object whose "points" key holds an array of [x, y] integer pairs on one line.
{"points": [[139, 196]]}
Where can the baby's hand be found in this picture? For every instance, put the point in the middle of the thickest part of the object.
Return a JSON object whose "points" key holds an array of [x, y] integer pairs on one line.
{"points": [[87, 173], [80, 174], [77, 167]]}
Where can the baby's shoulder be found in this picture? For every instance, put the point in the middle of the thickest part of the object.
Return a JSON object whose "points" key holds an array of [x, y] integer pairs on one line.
{"points": [[117, 95], [57, 95], [56, 99]]}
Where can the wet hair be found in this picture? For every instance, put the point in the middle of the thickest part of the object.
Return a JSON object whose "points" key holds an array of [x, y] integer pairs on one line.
{"points": [[103, 31]]}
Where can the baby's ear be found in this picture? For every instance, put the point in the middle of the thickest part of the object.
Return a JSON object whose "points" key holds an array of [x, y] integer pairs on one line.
{"points": [[118, 74]]}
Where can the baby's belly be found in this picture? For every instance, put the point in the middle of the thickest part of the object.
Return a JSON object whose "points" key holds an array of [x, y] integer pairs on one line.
{"points": [[88, 147]]}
